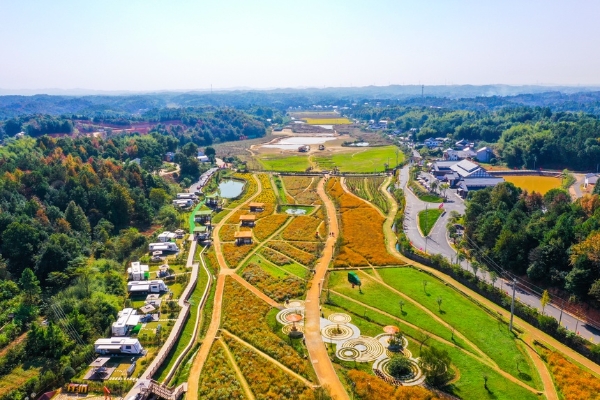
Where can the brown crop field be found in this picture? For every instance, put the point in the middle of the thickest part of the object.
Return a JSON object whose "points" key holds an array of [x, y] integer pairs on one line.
{"points": [[362, 237], [294, 253], [534, 183]]}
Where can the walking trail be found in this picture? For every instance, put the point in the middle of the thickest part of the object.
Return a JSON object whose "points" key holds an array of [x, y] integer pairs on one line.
{"points": [[312, 330], [238, 372], [194, 376]]}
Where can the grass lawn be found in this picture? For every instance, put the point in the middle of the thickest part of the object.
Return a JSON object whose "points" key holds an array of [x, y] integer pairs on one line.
{"points": [[431, 198], [534, 183], [470, 383], [370, 159], [295, 163], [375, 295], [278, 184], [486, 332], [427, 219]]}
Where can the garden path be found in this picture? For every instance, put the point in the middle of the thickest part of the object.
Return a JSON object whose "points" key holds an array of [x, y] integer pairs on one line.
{"points": [[535, 333], [540, 365], [238, 372], [256, 292], [312, 329], [213, 328], [270, 359]]}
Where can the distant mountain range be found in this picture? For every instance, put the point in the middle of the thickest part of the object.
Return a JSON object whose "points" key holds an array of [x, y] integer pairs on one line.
{"points": [[90, 103]]}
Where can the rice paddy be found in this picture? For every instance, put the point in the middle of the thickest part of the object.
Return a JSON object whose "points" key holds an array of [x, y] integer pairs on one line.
{"points": [[534, 183]]}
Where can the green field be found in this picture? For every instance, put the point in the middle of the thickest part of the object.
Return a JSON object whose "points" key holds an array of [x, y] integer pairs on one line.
{"points": [[296, 163], [427, 219], [483, 330], [370, 159]]}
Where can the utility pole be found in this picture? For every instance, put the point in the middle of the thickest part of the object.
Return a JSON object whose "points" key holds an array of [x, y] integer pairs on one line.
{"points": [[512, 306], [422, 91]]}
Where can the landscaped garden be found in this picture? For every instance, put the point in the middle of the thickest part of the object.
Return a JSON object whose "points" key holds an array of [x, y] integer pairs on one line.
{"points": [[368, 189], [487, 360], [357, 248]]}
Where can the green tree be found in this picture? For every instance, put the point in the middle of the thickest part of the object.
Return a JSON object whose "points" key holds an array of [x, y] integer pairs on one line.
{"points": [[399, 366], [544, 300], [435, 364], [121, 206], [31, 287], [75, 216]]}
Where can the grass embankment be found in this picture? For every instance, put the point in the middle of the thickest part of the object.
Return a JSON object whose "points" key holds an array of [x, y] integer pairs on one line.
{"points": [[188, 329], [476, 325], [427, 219]]}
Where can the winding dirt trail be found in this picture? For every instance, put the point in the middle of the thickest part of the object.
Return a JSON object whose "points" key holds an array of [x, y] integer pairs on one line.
{"points": [[240, 376], [312, 329]]}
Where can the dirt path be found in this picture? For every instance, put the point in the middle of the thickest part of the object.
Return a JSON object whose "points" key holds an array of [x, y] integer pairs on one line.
{"points": [[270, 359], [194, 376], [238, 372], [540, 365], [535, 333], [312, 330], [256, 292]]}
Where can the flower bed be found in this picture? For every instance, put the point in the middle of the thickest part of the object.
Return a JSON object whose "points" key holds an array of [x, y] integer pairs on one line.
{"points": [[309, 247], [217, 370], [362, 239], [573, 382], [266, 380], [234, 254], [227, 232], [275, 257], [302, 188], [266, 226], [245, 315], [300, 256], [279, 289], [301, 228]]}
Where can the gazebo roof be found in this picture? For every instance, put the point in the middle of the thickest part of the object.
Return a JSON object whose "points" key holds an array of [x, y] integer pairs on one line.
{"points": [[243, 235], [200, 229]]}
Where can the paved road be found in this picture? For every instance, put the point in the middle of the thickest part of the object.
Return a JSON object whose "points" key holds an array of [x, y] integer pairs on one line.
{"points": [[437, 243], [312, 330]]}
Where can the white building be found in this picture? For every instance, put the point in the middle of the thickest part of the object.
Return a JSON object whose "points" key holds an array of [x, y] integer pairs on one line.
{"points": [[183, 203], [431, 142], [138, 272], [160, 246], [484, 154], [187, 196], [167, 236], [127, 320], [590, 179], [145, 287], [203, 159], [118, 345]]}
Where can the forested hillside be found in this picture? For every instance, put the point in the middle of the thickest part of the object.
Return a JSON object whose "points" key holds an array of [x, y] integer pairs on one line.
{"points": [[71, 216], [552, 239]]}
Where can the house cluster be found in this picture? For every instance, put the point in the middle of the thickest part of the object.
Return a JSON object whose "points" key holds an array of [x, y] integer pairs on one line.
{"points": [[185, 200], [203, 158], [375, 126], [248, 220], [464, 175]]}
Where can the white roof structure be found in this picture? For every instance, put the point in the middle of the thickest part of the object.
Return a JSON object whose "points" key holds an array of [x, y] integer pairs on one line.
{"points": [[116, 341], [127, 318], [166, 236]]}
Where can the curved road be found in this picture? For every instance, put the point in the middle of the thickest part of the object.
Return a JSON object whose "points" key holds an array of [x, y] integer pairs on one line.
{"points": [[437, 243]]}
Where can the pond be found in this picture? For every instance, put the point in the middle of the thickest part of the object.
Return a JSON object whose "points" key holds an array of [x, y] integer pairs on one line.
{"points": [[231, 189]]}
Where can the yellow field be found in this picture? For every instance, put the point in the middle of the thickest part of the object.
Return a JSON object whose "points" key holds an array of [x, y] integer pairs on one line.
{"points": [[534, 183], [327, 121]]}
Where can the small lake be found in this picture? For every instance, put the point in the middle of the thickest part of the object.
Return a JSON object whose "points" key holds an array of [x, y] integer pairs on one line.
{"points": [[360, 144], [295, 211], [231, 189]]}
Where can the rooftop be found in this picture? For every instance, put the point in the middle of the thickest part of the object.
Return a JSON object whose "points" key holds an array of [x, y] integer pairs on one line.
{"points": [[247, 217], [243, 235]]}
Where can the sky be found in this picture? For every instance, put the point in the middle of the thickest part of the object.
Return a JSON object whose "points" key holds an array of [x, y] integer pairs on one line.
{"points": [[190, 45]]}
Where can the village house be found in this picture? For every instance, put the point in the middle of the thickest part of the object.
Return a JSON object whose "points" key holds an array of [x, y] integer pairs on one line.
{"points": [[431, 143], [247, 220], [590, 180], [138, 272], [169, 156], [167, 236], [256, 207], [243, 237], [212, 200], [203, 216], [457, 155], [191, 196], [183, 203], [145, 287], [118, 345], [485, 154], [202, 232], [160, 246], [127, 319]]}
